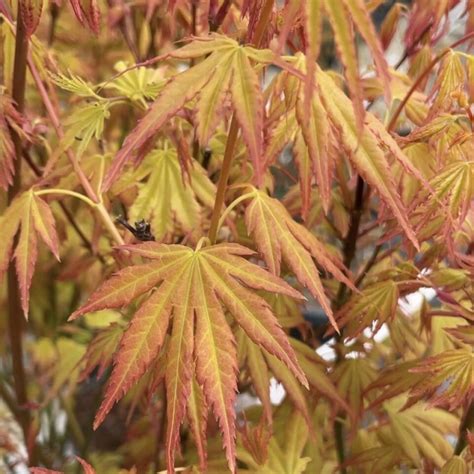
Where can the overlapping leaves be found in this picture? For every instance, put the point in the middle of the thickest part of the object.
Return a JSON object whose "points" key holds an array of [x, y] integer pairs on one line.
{"points": [[445, 379], [343, 16], [168, 197], [368, 149], [193, 289], [227, 67]]}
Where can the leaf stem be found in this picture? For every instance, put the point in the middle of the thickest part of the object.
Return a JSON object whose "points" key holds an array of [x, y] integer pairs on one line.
{"points": [[67, 192], [93, 196], [223, 178], [15, 316], [422, 76], [233, 132], [234, 203]]}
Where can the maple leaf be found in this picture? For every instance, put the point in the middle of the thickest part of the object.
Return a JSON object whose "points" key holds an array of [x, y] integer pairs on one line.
{"points": [[352, 377], [375, 304], [139, 85], [285, 453], [34, 218], [84, 124], [227, 67], [455, 465], [101, 349], [411, 428], [167, 196], [368, 149], [279, 237], [447, 378], [192, 287]]}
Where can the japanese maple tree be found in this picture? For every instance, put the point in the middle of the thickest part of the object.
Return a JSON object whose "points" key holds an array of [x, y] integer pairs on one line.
{"points": [[203, 198]]}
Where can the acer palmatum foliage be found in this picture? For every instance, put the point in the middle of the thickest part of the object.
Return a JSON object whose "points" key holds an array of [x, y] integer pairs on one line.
{"points": [[284, 206]]}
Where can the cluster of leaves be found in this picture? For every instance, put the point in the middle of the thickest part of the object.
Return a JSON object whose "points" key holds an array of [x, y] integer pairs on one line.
{"points": [[240, 244]]}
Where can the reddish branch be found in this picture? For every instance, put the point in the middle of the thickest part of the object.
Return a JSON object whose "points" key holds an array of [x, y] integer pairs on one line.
{"points": [[15, 314]]}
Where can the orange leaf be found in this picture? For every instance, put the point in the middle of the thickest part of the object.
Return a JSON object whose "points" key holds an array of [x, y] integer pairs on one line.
{"points": [[193, 286]]}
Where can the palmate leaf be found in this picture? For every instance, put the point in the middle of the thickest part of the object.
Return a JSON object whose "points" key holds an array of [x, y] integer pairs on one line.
{"points": [[420, 432], [330, 125], [32, 217], [367, 148], [139, 85], [285, 456], [227, 67], [445, 379], [374, 306], [448, 378], [353, 376], [279, 237], [168, 197], [85, 124], [193, 287], [75, 84]]}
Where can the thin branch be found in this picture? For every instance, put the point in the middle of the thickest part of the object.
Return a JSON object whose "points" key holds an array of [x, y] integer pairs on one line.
{"points": [[15, 314], [127, 28], [232, 137], [107, 220], [466, 426], [422, 76], [349, 250], [217, 21]]}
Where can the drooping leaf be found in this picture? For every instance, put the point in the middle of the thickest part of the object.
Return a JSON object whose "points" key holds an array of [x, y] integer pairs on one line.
{"points": [[364, 149], [30, 215], [9, 119], [344, 17], [279, 237], [193, 286], [88, 13]]}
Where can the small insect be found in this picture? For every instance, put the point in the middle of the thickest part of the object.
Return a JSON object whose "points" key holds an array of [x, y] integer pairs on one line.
{"points": [[141, 230]]}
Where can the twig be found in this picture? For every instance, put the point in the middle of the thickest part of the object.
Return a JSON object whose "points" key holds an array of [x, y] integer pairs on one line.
{"points": [[15, 316], [466, 425], [349, 249], [232, 137], [107, 220], [422, 76]]}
